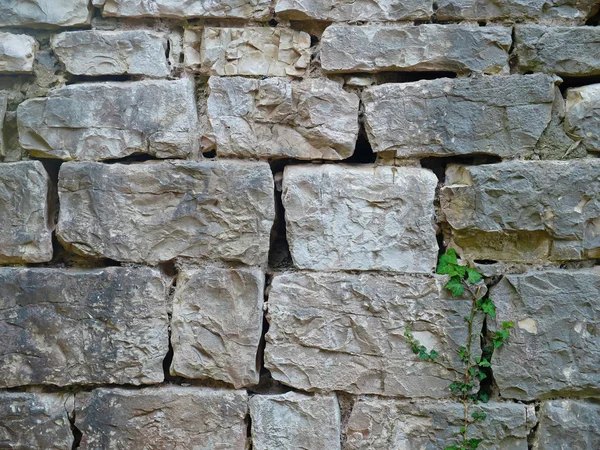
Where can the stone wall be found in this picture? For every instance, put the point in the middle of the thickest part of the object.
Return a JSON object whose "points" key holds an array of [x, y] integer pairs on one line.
{"points": [[217, 217]]}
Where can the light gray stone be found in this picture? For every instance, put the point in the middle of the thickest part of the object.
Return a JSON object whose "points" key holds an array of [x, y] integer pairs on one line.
{"points": [[166, 417], [583, 115], [64, 327], [524, 211], [154, 212], [25, 229], [345, 332], [96, 53], [503, 116], [98, 121], [358, 10], [35, 421], [311, 119], [343, 217], [17, 52], [3, 107], [295, 421], [554, 348], [430, 47], [44, 13]]}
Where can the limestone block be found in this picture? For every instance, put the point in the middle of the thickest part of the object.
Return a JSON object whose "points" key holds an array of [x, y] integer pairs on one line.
{"points": [[66, 327], [166, 417], [556, 315], [96, 53], [35, 420], [503, 116], [98, 121], [157, 211], [43, 13], [265, 51], [275, 117], [25, 232], [358, 10], [430, 47], [335, 331], [17, 52], [3, 107], [217, 324], [583, 115], [524, 211], [565, 51], [295, 421], [342, 217]]}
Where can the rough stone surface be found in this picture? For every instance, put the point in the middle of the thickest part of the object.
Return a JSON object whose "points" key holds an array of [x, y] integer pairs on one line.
{"points": [[344, 332], [217, 324], [524, 211], [564, 51], [295, 421], [342, 217], [502, 116], [557, 317], [358, 10], [583, 115], [25, 233], [35, 421], [3, 107], [43, 13], [98, 121], [430, 47], [96, 53], [167, 417], [312, 119], [160, 210], [17, 52]]}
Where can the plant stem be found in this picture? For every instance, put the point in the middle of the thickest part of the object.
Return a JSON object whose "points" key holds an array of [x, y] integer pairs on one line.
{"points": [[467, 376]]}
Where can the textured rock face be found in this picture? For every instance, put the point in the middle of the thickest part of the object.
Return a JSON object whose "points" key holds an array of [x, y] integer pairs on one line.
{"points": [[556, 315], [166, 417], [294, 420], [98, 53], [373, 48], [3, 106], [97, 121], [524, 211], [25, 234], [67, 327], [35, 420], [583, 115], [17, 52], [358, 10], [344, 332], [342, 217], [186, 9], [39, 13], [217, 324], [157, 211], [503, 116], [312, 119], [565, 51]]}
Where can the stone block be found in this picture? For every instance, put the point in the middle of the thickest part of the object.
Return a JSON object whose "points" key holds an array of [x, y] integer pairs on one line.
{"points": [[358, 10], [44, 13], [3, 108], [17, 52], [583, 115]]}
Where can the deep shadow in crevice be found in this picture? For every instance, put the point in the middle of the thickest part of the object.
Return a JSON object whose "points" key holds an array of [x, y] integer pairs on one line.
{"points": [[594, 19], [75, 79], [279, 251], [77, 434], [132, 159], [573, 82], [212, 154], [438, 164]]}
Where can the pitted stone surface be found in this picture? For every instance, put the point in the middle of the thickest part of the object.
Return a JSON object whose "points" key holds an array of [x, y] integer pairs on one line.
{"points": [[524, 211], [3, 107], [17, 52], [96, 53], [583, 115], [43, 13], [166, 417], [98, 121], [430, 47], [311, 119], [344, 332], [93, 326], [502, 116], [161, 210], [357, 10], [554, 348], [342, 217]]}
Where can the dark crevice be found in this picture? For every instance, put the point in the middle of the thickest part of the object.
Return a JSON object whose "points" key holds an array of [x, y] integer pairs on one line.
{"points": [[573, 82], [513, 56], [279, 251], [132, 159], [74, 79], [438, 164], [533, 432], [168, 360], [594, 19], [52, 167], [248, 419], [273, 22], [168, 49], [77, 434], [486, 386], [210, 154], [363, 152], [485, 261]]}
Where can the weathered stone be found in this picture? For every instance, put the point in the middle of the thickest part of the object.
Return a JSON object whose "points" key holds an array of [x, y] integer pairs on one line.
{"points": [[378, 424], [312, 119], [524, 211], [565, 51], [502, 116], [583, 115], [157, 211], [454, 48], [217, 324], [344, 332], [3, 107], [556, 315], [342, 217], [168, 417], [35, 421], [39, 13], [97, 121], [95, 53], [295, 421], [25, 232], [568, 424], [17, 52], [265, 51], [358, 10]]}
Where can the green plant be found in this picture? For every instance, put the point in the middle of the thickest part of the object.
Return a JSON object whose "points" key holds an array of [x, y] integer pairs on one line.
{"points": [[463, 278]]}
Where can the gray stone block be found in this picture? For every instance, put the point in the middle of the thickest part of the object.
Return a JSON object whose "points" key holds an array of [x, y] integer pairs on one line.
{"points": [[583, 115], [358, 10], [44, 13], [17, 52]]}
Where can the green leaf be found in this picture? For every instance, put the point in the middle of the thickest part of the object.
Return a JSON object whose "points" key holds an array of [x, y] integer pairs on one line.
{"points": [[484, 397], [473, 276], [455, 286], [508, 325], [488, 307], [423, 356], [433, 354], [498, 343], [482, 376], [447, 259]]}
